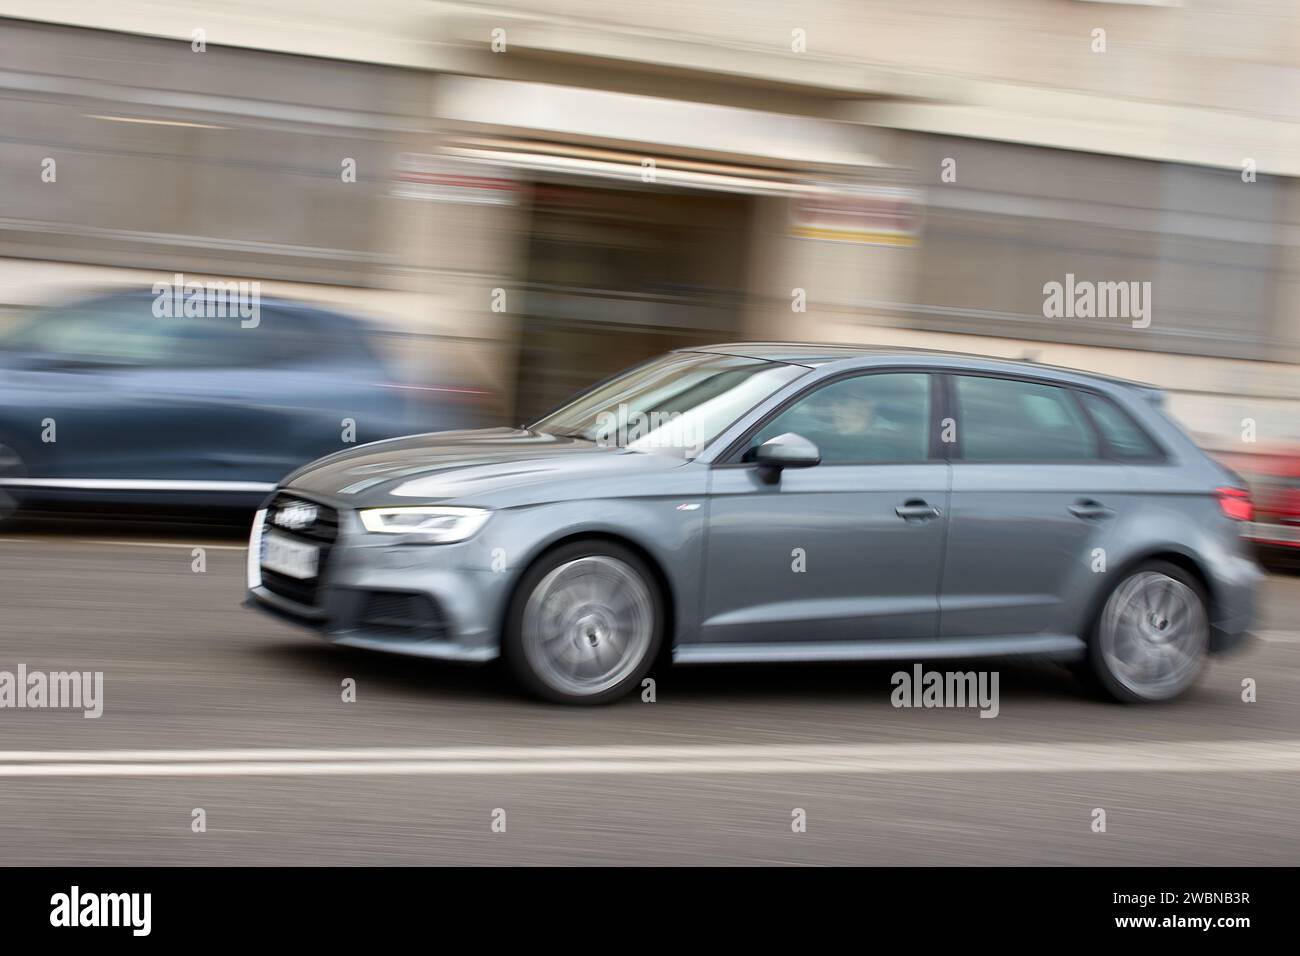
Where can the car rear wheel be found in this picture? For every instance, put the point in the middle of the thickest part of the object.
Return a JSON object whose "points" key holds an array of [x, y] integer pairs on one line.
{"points": [[1151, 638], [585, 624]]}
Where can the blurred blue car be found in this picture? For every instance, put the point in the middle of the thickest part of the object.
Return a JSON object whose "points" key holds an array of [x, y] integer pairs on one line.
{"points": [[104, 401]]}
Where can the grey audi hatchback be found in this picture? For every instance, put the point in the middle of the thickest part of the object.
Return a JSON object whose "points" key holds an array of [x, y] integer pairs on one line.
{"points": [[772, 502]]}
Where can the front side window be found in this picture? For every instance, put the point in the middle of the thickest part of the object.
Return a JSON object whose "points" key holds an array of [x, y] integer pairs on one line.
{"points": [[882, 417], [673, 405], [278, 337], [1002, 419]]}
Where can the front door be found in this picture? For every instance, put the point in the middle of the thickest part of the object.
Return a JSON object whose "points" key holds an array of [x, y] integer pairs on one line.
{"points": [[846, 550]]}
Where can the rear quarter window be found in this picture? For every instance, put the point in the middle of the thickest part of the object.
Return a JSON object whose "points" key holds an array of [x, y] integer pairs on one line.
{"points": [[1125, 438]]}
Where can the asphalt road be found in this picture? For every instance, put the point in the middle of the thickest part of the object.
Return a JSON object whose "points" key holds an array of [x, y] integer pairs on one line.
{"points": [[208, 705]]}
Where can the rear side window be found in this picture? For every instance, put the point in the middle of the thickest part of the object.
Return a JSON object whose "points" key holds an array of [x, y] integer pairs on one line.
{"points": [[1124, 437], [1001, 419]]}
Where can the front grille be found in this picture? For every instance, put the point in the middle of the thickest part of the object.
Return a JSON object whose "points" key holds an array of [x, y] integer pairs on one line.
{"points": [[287, 515], [322, 527], [401, 615]]}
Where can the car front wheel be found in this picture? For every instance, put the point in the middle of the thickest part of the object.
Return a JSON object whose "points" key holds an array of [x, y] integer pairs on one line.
{"points": [[1151, 638], [585, 624]]}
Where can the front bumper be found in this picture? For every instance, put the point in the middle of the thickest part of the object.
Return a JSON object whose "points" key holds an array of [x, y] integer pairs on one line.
{"points": [[433, 601]]}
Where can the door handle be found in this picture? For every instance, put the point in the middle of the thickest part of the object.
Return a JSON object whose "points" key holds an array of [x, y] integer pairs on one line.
{"points": [[916, 508], [1089, 509]]}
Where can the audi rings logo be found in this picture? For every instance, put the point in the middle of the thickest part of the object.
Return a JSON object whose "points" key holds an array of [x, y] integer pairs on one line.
{"points": [[295, 517]]}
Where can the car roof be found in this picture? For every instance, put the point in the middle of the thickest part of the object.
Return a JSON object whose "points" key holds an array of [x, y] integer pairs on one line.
{"points": [[814, 355], [327, 313], [811, 354]]}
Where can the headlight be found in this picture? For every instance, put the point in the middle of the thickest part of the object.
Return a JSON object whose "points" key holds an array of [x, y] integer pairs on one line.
{"points": [[431, 525]]}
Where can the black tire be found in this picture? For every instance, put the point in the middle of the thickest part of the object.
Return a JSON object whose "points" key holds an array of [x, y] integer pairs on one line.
{"points": [[588, 633], [1124, 637]]}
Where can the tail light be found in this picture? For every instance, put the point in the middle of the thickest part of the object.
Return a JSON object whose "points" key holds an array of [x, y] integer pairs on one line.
{"points": [[1235, 503]]}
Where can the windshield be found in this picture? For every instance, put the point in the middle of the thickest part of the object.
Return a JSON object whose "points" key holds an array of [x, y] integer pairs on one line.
{"points": [[676, 404], [113, 331]]}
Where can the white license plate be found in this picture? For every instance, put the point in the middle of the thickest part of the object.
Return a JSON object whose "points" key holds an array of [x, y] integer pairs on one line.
{"points": [[288, 557], [1274, 532]]}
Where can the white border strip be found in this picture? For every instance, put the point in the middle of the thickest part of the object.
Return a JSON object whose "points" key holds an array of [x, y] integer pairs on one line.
{"points": [[139, 484]]}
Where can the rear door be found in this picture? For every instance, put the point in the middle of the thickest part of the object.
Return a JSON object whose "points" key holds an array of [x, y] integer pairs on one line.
{"points": [[1034, 501], [847, 550], [271, 397], [88, 368]]}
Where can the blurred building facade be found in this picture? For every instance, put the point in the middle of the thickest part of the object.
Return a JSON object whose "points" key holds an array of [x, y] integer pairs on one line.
{"points": [[549, 192]]}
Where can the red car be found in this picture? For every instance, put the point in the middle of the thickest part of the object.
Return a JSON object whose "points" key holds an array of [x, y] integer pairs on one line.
{"points": [[1274, 478]]}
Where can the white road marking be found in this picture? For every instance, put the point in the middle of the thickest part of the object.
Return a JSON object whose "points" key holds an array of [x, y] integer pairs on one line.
{"points": [[1279, 637], [1242, 756], [172, 544]]}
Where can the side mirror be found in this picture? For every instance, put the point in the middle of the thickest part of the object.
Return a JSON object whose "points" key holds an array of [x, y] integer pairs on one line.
{"points": [[786, 451]]}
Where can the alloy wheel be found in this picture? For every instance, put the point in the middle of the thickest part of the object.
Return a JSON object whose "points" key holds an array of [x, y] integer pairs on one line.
{"points": [[588, 624], [1154, 633]]}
